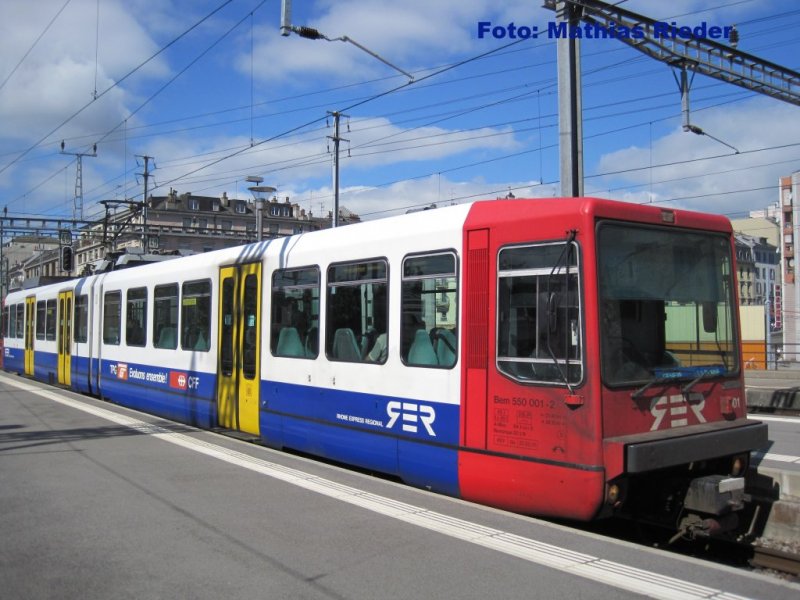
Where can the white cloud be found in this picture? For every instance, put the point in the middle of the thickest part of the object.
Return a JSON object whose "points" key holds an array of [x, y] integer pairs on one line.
{"points": [[68, 65], [407, 34], [730, 184], [378, 202]]}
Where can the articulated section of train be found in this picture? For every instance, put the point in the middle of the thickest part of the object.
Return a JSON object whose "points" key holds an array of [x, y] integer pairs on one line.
{"points": [[576, 358]]}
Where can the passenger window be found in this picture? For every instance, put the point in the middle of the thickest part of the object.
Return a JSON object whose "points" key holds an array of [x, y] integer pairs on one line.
{"points": [[41, 312], [20, 320], [295, 313], [136, 317], [226, 327], [111, 318], [50, 321], [428, 335], [5, 328], [251, 329], [538, 312], [357, 309], [165, 316], [81, 318], [195, 316]]}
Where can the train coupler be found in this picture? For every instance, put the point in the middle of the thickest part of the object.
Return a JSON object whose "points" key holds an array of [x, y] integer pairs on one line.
{"points": [[715, 495]]}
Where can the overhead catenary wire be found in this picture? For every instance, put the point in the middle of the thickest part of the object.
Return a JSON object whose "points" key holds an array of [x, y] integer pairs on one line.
{"points": [[277, 137]]}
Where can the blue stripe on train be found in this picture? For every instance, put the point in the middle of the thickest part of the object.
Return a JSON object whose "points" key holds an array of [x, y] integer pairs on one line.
{"points": [[414, 440], [177, 394]]}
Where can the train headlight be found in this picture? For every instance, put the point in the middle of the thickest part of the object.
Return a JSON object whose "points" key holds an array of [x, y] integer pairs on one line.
{"points": [[738, 466], [613, 494]]}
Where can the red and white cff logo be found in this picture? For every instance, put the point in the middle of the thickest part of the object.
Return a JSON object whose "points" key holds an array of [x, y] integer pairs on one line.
{"points": [[178, 380]]}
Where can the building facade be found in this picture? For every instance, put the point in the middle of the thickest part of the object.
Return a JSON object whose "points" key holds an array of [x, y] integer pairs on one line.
{"points": [[789, 203], [172, 224]]}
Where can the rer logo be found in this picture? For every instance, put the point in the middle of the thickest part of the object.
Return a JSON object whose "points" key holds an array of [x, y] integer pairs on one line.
{"points": [[412, 414], [677, 408]]}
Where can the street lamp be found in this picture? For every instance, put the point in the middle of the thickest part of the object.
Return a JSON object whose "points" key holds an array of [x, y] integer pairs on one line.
{"points": [[259, 194]]}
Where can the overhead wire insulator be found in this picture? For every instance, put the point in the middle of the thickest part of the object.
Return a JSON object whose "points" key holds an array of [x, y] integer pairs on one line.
{"points": [[733, 40], [309, 33]]}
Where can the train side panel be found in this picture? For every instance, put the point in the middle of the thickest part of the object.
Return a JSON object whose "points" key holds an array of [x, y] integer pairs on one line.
{"points": [[389, 416]]}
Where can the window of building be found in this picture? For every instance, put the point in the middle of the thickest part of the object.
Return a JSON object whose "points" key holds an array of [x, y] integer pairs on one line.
{"points": [[165, 316], [136, 317], [428, 335], [81, 318], [295, 313], [538, 312], [357, 310], [194, 204], [51, 322], [196, 316], [41, 312], [111, 318], [275, 210], [241, 208]]}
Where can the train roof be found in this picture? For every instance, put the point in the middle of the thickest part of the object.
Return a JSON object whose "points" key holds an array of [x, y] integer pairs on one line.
{"points": [[420, 229]]}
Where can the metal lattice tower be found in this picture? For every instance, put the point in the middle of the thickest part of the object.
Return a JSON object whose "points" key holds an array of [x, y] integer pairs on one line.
{"points": [[77, 201]]}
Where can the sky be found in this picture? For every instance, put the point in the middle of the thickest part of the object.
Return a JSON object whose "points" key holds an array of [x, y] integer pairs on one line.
{"points": [[213, 92]]}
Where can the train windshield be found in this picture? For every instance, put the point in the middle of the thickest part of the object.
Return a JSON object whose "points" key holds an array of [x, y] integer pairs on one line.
{"points": [[666, 304]]}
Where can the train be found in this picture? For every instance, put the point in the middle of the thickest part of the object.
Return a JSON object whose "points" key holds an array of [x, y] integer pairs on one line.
{"points": [[575, 358]]}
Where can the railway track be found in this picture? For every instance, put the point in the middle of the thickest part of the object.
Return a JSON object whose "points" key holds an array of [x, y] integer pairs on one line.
{"points": [[774, 559]]}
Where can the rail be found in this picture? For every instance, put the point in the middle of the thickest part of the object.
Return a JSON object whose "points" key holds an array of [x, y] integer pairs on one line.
{"points": [[774, 559]]}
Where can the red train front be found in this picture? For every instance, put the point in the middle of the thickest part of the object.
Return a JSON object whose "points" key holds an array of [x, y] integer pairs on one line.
{"points": [[601, 364]]}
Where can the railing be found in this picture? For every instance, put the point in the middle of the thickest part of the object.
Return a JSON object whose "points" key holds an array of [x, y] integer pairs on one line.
{"points": [[781, 356]]}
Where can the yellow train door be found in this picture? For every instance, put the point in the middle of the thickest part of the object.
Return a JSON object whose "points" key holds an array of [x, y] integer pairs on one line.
{"points": [[30, 312], [239, 349], [64, 337]]}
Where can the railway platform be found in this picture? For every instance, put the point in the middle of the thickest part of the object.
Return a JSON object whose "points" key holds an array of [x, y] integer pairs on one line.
{"points": [[773, 396], [101, 501], [777, 390]]}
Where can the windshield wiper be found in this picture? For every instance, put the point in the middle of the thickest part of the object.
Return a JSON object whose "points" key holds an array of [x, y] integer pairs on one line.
{"points": [[671, 379], [655, 380], [685, 389]]}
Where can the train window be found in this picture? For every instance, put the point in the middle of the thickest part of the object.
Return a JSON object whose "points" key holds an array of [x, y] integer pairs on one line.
{"points": [[111, 317], [226, 326], [428, 336], [538, 314], [295, 313], [4, 332], [251, 329], [82, 318], [12, 320], [196, 316], [41, 312], [357, 312], [51, 323], [19, 320], [165, 316], [136, 317]]}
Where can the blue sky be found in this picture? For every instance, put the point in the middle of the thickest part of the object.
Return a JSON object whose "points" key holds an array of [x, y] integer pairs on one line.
{"points": [[232, 97]]}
